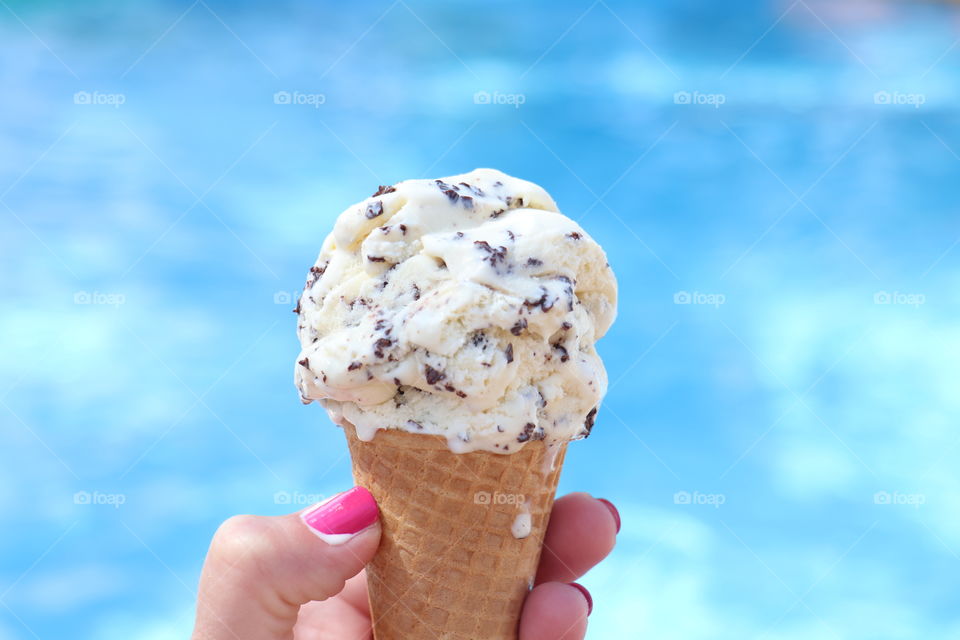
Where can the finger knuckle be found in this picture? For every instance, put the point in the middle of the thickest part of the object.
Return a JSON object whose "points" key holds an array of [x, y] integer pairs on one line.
{"points": [[241, 540]]}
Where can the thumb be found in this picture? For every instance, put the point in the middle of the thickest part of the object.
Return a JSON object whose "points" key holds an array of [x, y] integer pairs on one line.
{"points": [[260, 570]]}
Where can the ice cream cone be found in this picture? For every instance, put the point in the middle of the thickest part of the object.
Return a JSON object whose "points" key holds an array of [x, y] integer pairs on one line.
{"points": [[462, 533]]}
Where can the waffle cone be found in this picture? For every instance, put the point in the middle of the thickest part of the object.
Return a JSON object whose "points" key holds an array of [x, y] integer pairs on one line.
{"points": [[449, 566]]}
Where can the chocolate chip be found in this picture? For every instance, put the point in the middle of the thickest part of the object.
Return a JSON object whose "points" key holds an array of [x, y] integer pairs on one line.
{"points": [[448, 190], [567, 290], [304, 363], [396, 381], [459, 234], [354, 366], [414, 423], [383, 190], [297, 309], [534, 262], [314, 275], [510, 233], [376, 259], [563, 352], [531, 432], [495, 256], [574, 235], [452, 192], [498, 184], [566, 326], [461, 394], [374, 209], [433, 376], [509, 353], [518, 328], [525, 434], [540, 302], [497, 213], [477, 191], [380, 345], [590, 419], [416, 292], [403, 229]]}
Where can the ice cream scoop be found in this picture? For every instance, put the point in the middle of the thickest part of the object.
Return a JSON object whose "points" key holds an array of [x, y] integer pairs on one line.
{"points": [[466, 307]]}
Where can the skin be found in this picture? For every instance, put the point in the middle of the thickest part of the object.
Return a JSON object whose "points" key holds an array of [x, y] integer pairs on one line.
{"points": [[270, 578]]}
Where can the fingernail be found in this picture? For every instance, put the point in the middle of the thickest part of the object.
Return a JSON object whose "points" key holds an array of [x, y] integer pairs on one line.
{"points": [[586, 594], [337, 519], [613, 510]]}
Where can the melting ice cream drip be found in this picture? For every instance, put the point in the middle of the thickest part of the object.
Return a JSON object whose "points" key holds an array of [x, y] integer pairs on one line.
{"points": [[522, 524]]}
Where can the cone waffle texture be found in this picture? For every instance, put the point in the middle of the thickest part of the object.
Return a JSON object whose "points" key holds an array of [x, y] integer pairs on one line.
{"points": [[449, 566]]}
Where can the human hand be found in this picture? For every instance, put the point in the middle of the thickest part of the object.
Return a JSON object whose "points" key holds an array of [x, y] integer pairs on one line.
{"points": [[280, 578]]}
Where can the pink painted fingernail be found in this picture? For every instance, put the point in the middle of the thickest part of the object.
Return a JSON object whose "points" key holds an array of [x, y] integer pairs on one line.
{"points": [[586, 594], [613, 511], [337, 519]]}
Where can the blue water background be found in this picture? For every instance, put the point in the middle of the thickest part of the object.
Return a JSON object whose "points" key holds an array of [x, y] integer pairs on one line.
{"points": [[783, 449]]}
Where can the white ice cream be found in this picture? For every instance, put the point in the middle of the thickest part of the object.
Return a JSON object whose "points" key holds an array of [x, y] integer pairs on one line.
{"points": [[466, 307]]}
